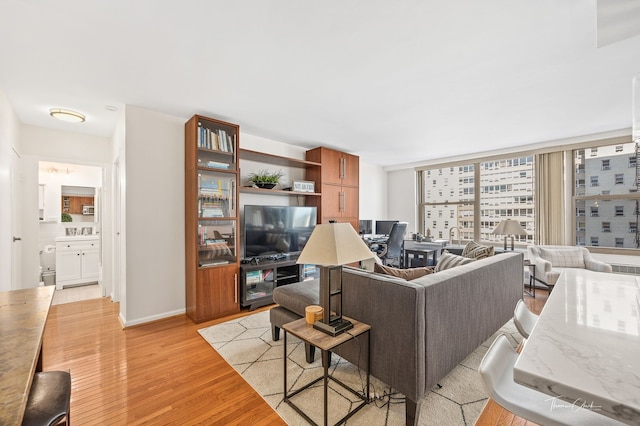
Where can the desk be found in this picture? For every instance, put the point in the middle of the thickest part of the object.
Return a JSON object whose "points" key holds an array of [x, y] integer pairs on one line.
{"points": [[325, 343], [585, 347], [23, 315], [420, 252]]}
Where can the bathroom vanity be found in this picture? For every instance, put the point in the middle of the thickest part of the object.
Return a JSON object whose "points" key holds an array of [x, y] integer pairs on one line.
{"points": [[77, 260]]}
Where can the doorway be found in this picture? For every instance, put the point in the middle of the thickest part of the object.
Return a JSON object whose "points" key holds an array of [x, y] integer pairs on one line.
{"points": [[70, 211]]}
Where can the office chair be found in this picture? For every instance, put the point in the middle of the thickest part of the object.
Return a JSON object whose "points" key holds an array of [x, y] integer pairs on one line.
{"points": [[391, 251]]}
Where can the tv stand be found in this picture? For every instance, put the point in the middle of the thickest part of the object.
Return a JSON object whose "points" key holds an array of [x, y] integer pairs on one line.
{"points": [[258, 279]]}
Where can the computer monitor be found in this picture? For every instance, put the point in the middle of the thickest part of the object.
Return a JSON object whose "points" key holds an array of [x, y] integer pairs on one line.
{"points": [[383, 227], [365, 227]]}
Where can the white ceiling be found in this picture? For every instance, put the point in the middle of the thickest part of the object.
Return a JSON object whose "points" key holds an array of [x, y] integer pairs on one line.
{"points": [[393, 81]]}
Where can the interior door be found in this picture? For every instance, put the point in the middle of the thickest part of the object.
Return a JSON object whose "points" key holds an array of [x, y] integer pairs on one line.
{"points": [[16, 222]]}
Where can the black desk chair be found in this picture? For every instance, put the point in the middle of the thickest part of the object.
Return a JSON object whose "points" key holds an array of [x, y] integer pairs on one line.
{"points": [[391, 251]]}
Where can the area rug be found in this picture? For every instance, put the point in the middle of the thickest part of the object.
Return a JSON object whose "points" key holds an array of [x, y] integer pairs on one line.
{"points": [[245, 343]]}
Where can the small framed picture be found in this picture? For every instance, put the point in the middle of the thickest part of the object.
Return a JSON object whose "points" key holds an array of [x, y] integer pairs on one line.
{"points": [[303, 186]]}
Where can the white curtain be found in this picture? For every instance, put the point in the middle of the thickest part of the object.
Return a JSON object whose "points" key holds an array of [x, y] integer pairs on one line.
{"points": [[549, 199]]}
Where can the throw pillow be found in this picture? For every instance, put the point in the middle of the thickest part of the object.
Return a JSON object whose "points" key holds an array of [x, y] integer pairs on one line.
{"points": [[476, 251], [407, 274], [449, 260]]}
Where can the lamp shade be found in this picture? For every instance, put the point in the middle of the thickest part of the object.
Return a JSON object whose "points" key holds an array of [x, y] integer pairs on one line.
{"points": [[332, 244], [509, 227]]}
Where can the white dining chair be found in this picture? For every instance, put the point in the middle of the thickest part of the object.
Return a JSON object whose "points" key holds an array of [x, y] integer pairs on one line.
{"points": [[496, 370], [524, 319]]}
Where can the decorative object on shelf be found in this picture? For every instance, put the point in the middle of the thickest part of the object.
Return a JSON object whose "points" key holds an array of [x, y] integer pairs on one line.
{"points": [[330, 246], [265, 179], [508, 228], [303, 186]]}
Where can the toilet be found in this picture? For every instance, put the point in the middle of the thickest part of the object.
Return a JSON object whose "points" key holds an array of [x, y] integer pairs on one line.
{"points": [[48, 265]]}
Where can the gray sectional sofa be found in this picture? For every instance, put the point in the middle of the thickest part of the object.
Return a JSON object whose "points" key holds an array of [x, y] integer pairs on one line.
{"points": [[420, 329]]}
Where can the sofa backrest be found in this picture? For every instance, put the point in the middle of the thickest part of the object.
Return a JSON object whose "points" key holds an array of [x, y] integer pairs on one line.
{"points": [[421, 329]]}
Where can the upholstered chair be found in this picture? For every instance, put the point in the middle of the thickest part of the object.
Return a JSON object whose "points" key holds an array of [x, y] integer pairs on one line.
{"points": [[550, 261]]}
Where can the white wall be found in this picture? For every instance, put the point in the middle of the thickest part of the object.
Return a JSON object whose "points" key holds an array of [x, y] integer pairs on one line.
{"points": [[154, 232], [373, 192], [401, 197], [9, 132]]}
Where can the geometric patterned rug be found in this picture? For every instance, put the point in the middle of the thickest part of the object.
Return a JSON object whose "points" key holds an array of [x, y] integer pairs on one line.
{"points": [[245, 343]]}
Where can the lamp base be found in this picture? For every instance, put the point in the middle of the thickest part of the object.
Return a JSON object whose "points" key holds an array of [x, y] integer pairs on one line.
{"points": [[335, 327]]}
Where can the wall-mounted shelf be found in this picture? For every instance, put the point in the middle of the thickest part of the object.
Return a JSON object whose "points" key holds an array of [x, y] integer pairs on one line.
{"points": [[247, 154], [252, 190]]}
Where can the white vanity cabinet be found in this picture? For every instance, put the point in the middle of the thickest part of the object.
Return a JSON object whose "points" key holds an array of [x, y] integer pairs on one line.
{"points": [[77, 260]]}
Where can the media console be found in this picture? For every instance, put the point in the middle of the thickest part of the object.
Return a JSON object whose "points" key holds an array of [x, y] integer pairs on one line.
{"points": [[260, 275]]}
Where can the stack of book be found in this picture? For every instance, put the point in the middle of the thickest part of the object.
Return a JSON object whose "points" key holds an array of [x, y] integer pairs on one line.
{"points": [[215, 139]]}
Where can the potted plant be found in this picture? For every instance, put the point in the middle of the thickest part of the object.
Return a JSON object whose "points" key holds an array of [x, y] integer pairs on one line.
{"points": [[265, 179]]}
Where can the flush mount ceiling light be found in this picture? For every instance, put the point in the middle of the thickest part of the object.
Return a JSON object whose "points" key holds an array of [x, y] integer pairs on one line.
{"points": [[67, 115]]}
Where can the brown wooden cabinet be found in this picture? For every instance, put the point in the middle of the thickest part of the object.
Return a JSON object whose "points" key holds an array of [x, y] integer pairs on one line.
{"points": [[339, 179], [73, 204], [211, 218]]}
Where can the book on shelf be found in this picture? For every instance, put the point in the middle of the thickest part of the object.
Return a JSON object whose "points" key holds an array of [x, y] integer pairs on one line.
{"points": [[214, 262], [253, 277], [215, 139]]}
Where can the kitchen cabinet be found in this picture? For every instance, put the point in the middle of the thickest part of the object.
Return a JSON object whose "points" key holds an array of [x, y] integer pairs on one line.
{"points": [[77, 261], [73, 204]]}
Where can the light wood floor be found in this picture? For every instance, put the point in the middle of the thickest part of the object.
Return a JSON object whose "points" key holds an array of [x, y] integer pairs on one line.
{"points": [[163, 372]]}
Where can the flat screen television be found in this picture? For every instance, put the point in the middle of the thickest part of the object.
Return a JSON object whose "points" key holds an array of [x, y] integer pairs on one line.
{"points": [[273, 230], [383, 227]]}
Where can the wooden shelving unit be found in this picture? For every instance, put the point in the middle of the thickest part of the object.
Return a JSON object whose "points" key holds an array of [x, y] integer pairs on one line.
{"points": [[211, 218]]}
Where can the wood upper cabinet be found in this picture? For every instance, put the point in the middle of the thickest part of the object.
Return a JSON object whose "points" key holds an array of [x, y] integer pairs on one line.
{"points": [[338, 177], [338, 167], [73, 204]]}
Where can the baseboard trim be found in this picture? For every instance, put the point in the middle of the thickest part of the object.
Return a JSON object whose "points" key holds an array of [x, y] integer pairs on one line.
{"points": [[152, 318]]}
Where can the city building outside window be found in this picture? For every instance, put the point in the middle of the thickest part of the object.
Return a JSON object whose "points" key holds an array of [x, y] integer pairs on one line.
{"points": [[613, 206], [505, 190]]}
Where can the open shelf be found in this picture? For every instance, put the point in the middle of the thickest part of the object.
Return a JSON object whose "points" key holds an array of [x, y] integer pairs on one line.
{"points": [[276, 191], [247, 154]]}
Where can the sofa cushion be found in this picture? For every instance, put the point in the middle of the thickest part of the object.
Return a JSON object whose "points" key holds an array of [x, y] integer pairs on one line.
{"points": [[477, 251], [407, 274], [448, 260], [564, 258]]}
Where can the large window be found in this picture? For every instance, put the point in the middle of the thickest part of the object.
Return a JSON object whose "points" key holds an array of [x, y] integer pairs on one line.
{"points": [[506, 192], [505, 188], [448, 196], [612, 198]]}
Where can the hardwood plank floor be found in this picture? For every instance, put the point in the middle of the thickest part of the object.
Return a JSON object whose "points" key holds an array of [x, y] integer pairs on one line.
{"points": [[163, 372], [158, 373]]}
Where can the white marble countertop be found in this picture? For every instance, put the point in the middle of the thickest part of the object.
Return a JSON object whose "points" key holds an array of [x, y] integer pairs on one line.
{"points": [[78, 238], [585, 347]]}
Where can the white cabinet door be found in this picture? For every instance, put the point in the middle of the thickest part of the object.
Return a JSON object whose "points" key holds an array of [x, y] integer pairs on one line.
{"points": [[90, 264], [68, 265]]}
